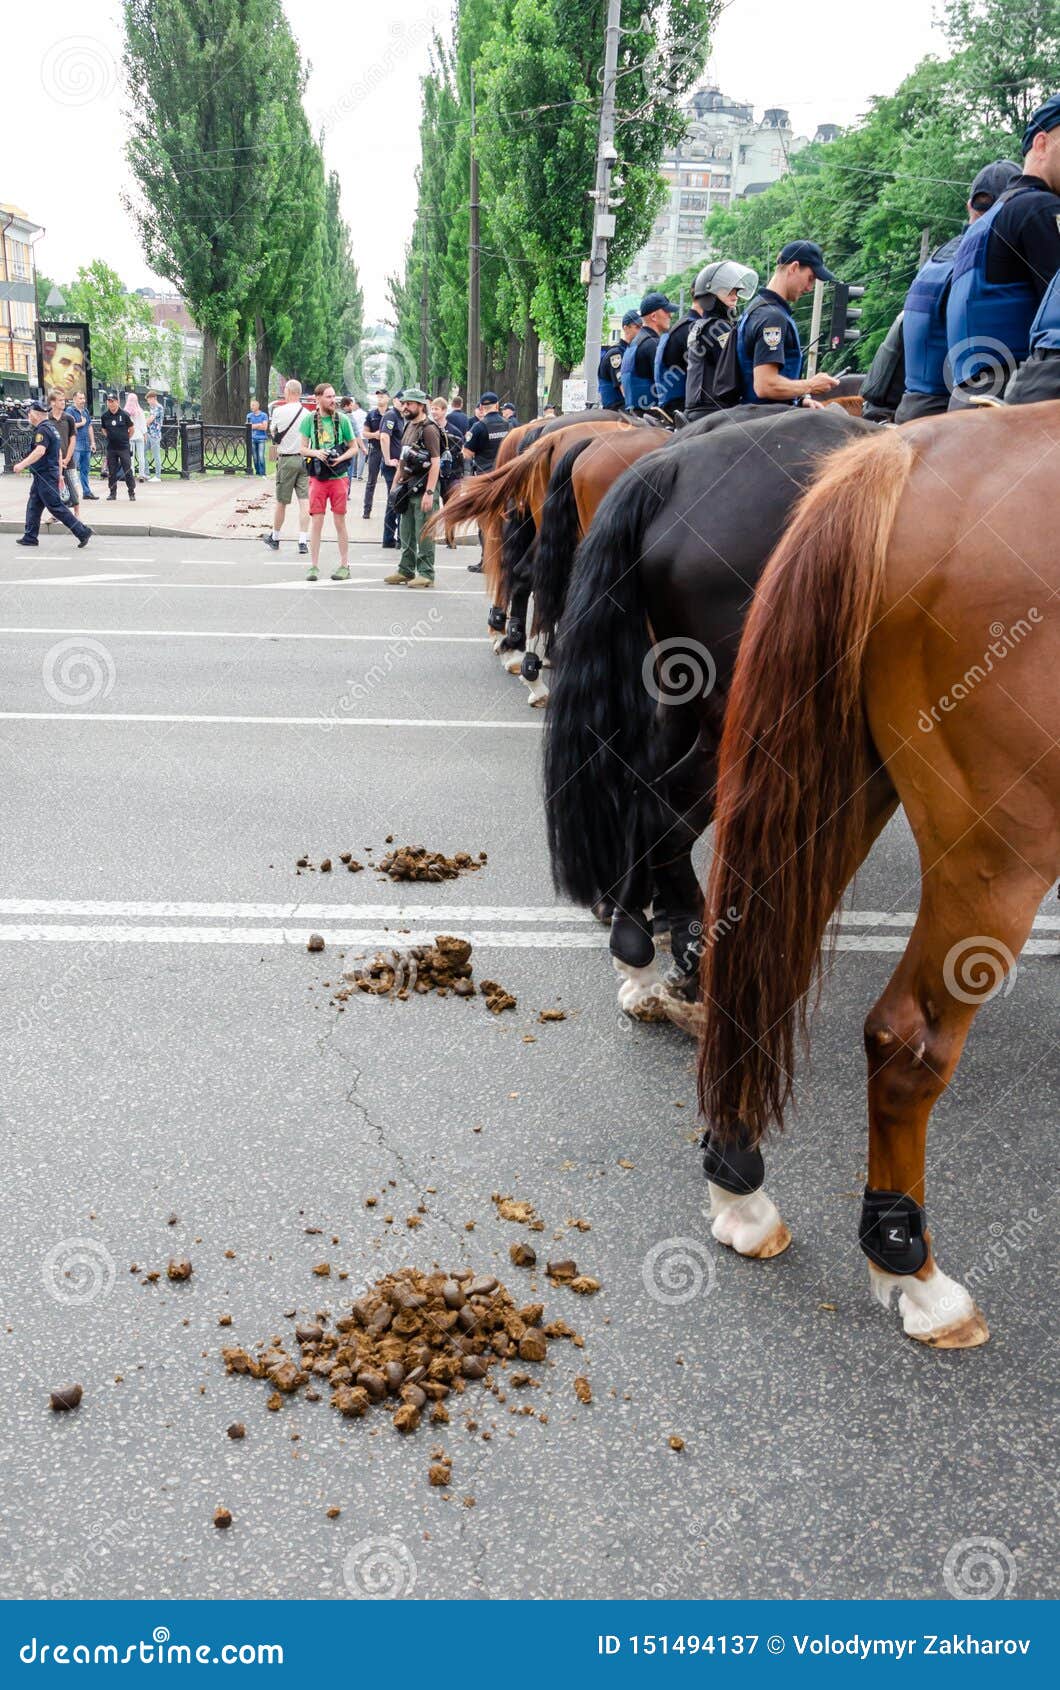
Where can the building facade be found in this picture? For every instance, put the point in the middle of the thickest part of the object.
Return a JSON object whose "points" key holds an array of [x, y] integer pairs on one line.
{"points": [[170, 309], [18, 301]]}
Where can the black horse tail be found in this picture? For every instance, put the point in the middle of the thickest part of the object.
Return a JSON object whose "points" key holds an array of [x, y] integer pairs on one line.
{"points": [[517, 536], [556, 543], [599, 731]]}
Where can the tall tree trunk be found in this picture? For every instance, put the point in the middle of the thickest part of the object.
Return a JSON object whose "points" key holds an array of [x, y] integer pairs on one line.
{"points": [[560, 372], [238, 386], [214, 380], [263, 363], [526, 387]]}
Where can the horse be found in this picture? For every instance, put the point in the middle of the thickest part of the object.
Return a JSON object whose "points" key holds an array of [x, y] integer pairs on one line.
{"points": [[915, 568], [643, 661]]}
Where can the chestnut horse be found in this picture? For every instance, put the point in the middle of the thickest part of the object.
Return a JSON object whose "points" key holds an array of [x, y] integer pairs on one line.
{"points": [[902, 647]]}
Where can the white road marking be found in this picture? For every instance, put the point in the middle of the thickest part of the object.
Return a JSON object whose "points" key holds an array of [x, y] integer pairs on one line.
{"points": [[543, 914], [234, 586], [256, 721], [108, 580], [222, 634]]}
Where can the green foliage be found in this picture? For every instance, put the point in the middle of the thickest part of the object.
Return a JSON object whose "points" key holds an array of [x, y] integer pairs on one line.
{"points": [[121, 326]]}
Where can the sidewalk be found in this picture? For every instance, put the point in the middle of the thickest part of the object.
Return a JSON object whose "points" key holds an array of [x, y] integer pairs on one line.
{"points": [[207, 507]]}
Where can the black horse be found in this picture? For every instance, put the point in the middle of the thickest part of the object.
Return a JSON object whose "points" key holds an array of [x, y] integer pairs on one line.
{"points": [[643, 662]]}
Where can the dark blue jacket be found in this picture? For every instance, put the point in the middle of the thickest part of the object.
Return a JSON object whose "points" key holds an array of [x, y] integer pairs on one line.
{"points": [[1045, 329], [924, 322], [985, 321], [791, 363], [636, 385]]}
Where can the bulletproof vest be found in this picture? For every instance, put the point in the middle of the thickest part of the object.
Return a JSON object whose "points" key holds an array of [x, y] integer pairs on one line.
{"points": [[882, 389], [610, 392], [986, 322], [924, 324], [670, 378], [1045, 329], [791, 366], [706, 342], [497, 428], [636, 390]]}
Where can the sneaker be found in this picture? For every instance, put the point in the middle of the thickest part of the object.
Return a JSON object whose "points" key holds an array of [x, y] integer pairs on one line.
{"points": [[111, 497], [267, 540], [303, 548], [313, 576], [85, 538], [396, 580], [342, 573], [420, 581], [25, 540], [89, 495]]}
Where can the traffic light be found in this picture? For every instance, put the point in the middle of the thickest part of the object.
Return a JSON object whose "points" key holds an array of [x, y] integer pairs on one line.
{"points": [[845, 315]]}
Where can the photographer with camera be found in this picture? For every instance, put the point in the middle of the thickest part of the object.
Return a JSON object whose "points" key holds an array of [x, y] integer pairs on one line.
{"points": [[414, 496], [327, 444]]}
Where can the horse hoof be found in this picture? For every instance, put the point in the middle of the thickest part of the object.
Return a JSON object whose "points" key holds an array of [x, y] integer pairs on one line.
{"points": [[749, 1225], [538, 696], [774, 1245], [965, 1334], [689, 1017], [514, 662], [935, 1309]]}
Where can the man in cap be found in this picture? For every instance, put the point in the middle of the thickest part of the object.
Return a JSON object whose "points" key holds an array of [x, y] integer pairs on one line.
{"points": [[1038, 377], [609, 369], [43, 460], [482, 442], [638, 360], [687, 371], [768, 349], [419, 466], [923, 322], [391, 427], [1003, 266], [117, 424]]}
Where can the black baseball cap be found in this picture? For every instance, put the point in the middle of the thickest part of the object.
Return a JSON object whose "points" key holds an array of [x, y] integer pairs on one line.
{"points": [[810, 254], [489, 399], [991, 181], [630, 317], [1045, 118], [655, 302], [37, 405]]}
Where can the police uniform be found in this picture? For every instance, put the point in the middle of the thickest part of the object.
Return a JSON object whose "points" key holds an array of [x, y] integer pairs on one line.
{"points": [[924, 336], [1001, 271], [375, 458], [392, 428], [117, 429], [766, 335], [707, 338], [44, 493], [483, 440], [609, 375], [671, 363], [1039, 378], [638, 370]]}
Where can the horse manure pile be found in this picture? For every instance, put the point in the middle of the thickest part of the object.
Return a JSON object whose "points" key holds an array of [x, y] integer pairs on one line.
{"points": [[410, 1342], [415, 862], [444, 967]]}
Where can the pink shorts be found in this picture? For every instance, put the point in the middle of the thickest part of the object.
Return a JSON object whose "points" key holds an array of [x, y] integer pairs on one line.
{"points": [[324, 493]]}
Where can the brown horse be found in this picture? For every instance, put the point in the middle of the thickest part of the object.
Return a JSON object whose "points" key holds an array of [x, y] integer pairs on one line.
{"points": [[901, 648]]}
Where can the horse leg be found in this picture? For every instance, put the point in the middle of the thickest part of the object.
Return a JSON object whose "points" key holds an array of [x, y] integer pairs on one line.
{"points": [[914, 1037]]}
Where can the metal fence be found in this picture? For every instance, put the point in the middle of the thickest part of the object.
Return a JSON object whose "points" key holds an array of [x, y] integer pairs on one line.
{"points": [[188, 448]]}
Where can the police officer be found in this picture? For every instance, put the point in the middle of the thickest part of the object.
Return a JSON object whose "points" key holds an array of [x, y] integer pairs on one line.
{"points": [[768, 349], [638, 360], [482, 442], [116, 424], [609, 369], [714, 295], [926, 390], [1003, 267], [43, 459], [391, 428], [370, 432], [1039, 377]]}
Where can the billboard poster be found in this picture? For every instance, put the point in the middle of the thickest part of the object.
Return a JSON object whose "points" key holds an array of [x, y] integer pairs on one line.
{"points": [[63, 358]]}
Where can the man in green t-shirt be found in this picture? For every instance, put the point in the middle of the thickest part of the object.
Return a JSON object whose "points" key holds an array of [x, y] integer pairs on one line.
{"points": [[327, 443]]}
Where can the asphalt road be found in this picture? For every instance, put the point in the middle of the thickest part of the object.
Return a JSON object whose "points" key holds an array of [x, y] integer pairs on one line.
{"points": [[170, 1048]]}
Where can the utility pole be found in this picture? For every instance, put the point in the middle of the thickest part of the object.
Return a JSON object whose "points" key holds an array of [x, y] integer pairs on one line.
{"points": [[815, 328], [925, 246], [603, 217], [474, 342], [424, 372]]}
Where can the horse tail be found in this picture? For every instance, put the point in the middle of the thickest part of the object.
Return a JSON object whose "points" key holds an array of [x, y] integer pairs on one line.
{"points": [[481, 498], [794, 761], [517, 536], [599, 727], [557, 542]]}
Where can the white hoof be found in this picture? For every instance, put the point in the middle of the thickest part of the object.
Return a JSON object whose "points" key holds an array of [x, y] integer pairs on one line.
{"points": [[935, 1310], [513, 662], [496, 643], [750, 1225], [538, 694], [639, 986]]}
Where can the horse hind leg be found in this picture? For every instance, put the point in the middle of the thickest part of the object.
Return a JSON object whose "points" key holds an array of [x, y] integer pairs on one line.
{"points": [[977, 908], [741, 1214]]}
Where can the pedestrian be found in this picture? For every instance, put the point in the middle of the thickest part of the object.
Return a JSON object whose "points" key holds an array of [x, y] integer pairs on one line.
{"points": [[1003, 267], [292, 476], [258, 424], [638, 360], [926, 387], [154, 435], [716, 290], [117, 431], [139, 433], [391, 424], [60, 414], [458, 421], [370, 434], [509, 414], [550, 411], [609, 369], [358, 416], [452, 469], [43, 460], [415, 491], [86, 442], [481, 445], [326, 444], [762, 361]]}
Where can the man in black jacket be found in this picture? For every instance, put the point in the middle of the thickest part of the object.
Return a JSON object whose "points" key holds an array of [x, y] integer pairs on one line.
{"points": [[116, 424]]}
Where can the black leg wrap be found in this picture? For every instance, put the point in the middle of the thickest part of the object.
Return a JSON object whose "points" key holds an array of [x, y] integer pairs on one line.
{"points": [[736, 1170], [892, 1231], [686, 944], [530, 667], [631, 940], [497, 620]]}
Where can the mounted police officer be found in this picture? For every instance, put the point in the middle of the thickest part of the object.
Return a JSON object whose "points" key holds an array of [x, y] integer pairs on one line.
{"points": [[609, 369], [638, 361], [714, 296], [763, 359], [1039, 377], [923, 322], [482, 442], [43, 460], [1003, 268]]}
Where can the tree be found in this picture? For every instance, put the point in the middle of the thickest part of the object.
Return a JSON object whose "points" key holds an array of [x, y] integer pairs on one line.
{"points": [[121, 326]]}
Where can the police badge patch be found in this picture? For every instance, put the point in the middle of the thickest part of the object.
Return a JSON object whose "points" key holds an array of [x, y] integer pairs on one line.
{"points": [[772, 338]]}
